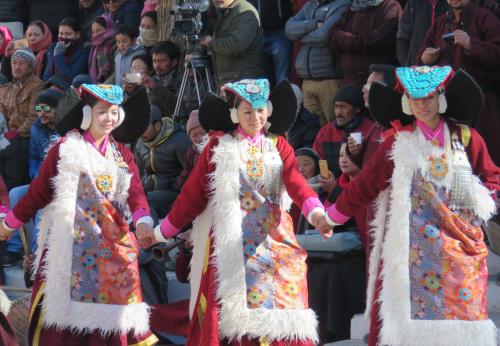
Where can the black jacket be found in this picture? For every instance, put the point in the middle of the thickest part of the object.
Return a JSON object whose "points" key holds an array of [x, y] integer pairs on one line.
{"points": [[273, 13], [413, 25], [162, 160]]}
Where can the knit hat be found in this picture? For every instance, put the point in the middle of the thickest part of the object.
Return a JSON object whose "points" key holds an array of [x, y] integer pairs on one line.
{"points": [[49, 97], [350, 94], [156, 114], [25, 55], [59, 80], [193, 121]]}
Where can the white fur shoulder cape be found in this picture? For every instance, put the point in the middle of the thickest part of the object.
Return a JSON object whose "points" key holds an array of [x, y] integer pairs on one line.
{"points": [[223, 215], [56, 235], [391, 244]]}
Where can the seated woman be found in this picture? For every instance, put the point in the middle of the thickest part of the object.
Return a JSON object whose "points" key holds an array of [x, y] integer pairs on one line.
{"points": [[336, 269], [142, 64], [68, 56], [308, 163], [38, 38]]}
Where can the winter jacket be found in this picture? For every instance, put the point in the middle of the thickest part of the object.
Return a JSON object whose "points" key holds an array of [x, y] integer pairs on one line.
{"points": [[237, 47], [315, 60], [362, 38], [273, 13], [124, 61], [71, 66], [52, 12], [18, 103], [162, 160], [418, 17], [129, 14], [41, 140]]}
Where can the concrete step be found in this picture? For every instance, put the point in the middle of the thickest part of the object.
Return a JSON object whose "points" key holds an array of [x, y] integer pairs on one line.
{"points": [[351, 342]]}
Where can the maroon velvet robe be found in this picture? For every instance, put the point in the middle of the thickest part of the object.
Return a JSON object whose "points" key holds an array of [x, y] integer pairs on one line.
{"points": [[367, 186]]}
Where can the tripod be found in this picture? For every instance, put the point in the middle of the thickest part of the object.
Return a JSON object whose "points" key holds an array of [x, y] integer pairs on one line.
{"points": [[199, 67]]}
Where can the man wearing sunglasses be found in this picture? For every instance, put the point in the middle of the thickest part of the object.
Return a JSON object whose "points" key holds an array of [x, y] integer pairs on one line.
{"points": [[43, 136], [126, 12]]}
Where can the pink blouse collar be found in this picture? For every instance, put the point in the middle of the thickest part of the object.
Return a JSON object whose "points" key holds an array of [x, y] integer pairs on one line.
{"points": [[253, 140], [431, 134], [87, 136]]}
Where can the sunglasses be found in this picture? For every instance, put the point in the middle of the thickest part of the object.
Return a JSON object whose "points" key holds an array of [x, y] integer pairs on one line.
{"points": [[110, 1], [46, 109]]}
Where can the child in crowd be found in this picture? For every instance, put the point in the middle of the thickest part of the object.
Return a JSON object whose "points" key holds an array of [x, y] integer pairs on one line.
{"points": [[101, 59], [127, 49]]}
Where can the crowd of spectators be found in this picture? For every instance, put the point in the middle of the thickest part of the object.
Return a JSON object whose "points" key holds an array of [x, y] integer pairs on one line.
{"points": [[333, 50]]}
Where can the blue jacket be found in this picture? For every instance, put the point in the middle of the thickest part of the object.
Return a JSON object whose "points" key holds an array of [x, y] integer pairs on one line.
{"points": [[123, 62], [315, 60], [42, 139], [77, 64], [129, 14]]}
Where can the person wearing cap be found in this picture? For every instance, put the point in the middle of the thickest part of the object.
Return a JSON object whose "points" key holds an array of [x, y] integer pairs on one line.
{"points": [[349, 118], [199, 138], [86, 288], [434, 182], [248, 274], [160, 155], [18, 97], [43, 136]]}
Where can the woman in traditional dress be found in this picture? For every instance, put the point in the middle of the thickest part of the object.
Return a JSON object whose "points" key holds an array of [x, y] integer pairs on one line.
{"points": [[434, 184], [248, 273], [87, 289]]}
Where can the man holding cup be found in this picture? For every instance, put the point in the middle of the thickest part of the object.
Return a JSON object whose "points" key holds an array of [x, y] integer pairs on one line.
{"points": [[351, 125]]}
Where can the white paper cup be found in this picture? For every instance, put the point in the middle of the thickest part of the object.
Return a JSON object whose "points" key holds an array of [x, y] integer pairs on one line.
{"points": [[357, 137]]}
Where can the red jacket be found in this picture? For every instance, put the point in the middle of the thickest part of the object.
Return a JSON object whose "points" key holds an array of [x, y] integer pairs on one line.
{"points": [[482, 61], [362, 38]]}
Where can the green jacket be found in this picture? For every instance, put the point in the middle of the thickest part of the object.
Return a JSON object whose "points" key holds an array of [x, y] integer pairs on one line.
{"points": [[237, 47]]}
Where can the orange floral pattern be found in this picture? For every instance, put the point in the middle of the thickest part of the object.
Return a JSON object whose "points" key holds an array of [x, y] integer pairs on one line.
{"points": [[105, 268], [448, 273]]}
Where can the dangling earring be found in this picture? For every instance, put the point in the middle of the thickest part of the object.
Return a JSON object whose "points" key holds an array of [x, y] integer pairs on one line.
{"points": [[443, 104], [87, 117], [269, 108], [405, 103], [234, 116], [121, 116]]}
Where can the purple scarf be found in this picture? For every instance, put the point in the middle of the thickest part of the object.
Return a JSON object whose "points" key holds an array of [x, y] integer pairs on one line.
{"points": [[101, 59]]}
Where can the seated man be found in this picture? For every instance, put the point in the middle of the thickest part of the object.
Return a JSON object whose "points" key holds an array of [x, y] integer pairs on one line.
{"points": [[350, 119], [43, 136], [162, 85], [160, 156], [17, 101]]}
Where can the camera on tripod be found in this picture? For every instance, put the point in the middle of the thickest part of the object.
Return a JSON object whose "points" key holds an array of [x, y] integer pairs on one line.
{"points": [[188, 21]]}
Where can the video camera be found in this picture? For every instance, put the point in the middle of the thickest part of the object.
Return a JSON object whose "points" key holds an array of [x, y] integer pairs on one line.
{"points": [[188, 21]]}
